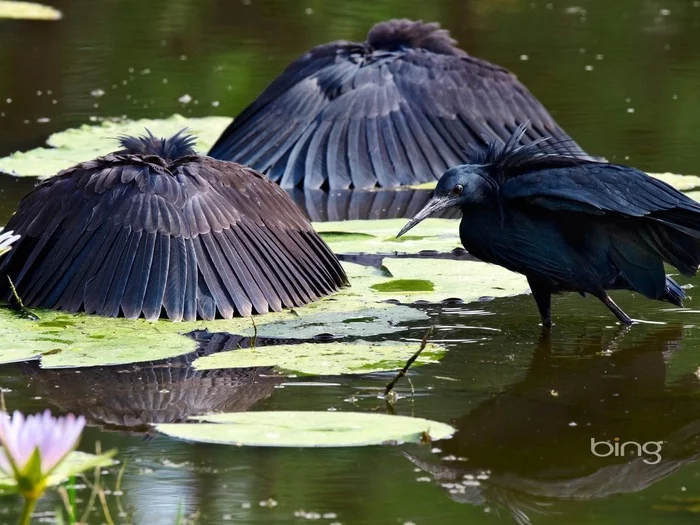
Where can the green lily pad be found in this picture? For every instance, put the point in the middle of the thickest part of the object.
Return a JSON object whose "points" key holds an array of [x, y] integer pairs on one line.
{"points": [[61, 340], [324, 359], [466, 280], [307, 429], [28, 11], [72, 146], [380, 236], [75, 463], [405, 285], [680, 182], [66, 340], [381, 319]]}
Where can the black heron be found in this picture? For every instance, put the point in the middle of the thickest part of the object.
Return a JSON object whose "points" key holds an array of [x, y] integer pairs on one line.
{"points": [[398, 109], [571, 224], [156, 230]]}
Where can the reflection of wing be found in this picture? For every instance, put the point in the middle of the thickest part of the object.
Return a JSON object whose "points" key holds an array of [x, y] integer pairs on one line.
{"points": [[138, 396], [198, 238], [399, 109], [522, 496]]}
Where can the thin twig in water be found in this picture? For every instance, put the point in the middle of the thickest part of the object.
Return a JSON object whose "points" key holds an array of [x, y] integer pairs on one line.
{"points": [[413, 396], [3, 408], [20, 305], [408, 364], [63, 493], [95, 487], [254, 340], [105, 507], [118, 490]]}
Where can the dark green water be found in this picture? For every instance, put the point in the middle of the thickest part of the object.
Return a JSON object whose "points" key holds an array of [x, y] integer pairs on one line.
{"points": [[526, 406]]}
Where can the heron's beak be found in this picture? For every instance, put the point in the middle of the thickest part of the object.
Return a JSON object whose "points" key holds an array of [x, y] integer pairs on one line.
{"points": [[434, 205]]}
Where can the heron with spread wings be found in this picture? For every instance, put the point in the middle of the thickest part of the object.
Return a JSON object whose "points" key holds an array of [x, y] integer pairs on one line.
{"points": [[156, 230], [398, 109]]}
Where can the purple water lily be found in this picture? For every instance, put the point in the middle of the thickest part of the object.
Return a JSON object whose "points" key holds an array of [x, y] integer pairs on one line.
{"points": [[54, 438], [6, 240]]}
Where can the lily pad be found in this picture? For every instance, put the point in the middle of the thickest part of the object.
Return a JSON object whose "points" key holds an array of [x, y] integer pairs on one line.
{"points": [[72, 146], [381, 319], [380, 236], [466, 280], [75, 463], [324, 359], [405, 285], [307, 429], [66, 340], [28, 11], [60, 339], [680, 182]]}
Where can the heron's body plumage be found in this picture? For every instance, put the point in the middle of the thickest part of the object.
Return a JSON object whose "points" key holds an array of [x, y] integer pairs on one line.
{"points": [[571, 223]]}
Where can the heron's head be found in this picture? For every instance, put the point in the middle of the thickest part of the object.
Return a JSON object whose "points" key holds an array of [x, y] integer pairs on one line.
{"points": [[459, 186]]}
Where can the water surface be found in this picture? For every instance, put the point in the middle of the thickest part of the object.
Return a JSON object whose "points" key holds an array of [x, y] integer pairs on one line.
{"points": [[621, 77]]}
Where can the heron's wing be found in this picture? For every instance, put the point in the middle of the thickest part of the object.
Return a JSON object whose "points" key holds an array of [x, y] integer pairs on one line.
{"points": [[645, 213], [388, 119], [266, 242], [264, 132], [203, 239], [598, 189]]}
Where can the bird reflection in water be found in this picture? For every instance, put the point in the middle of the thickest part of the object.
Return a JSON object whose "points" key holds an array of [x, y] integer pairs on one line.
{"points": [[529, 447], [134, 397]]}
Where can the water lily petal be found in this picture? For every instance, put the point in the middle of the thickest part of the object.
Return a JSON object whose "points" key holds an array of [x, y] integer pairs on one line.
{"points": [[54, 438]]}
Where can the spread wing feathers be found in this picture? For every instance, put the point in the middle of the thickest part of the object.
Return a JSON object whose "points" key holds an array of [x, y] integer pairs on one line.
{"points": [[345, 205], [348, 115], [121, 236], [655, 221], [601, 189]]}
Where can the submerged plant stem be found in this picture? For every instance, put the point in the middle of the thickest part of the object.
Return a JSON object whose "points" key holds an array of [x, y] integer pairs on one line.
{"points": [[29, 505], [408, 364], [95, 486]]}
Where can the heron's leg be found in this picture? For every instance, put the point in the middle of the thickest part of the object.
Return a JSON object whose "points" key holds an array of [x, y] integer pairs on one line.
{"points": [[622, 316], [543, 297]]}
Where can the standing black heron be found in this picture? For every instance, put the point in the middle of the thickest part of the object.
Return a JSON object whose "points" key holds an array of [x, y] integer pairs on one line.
{"points": [[398, 109], [571, 224], [156, 230]]}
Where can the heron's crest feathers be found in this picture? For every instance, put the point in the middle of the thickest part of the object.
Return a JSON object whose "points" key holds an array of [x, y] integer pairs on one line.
{"points": [[512, 158], [399, 33], [169, 149]]}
